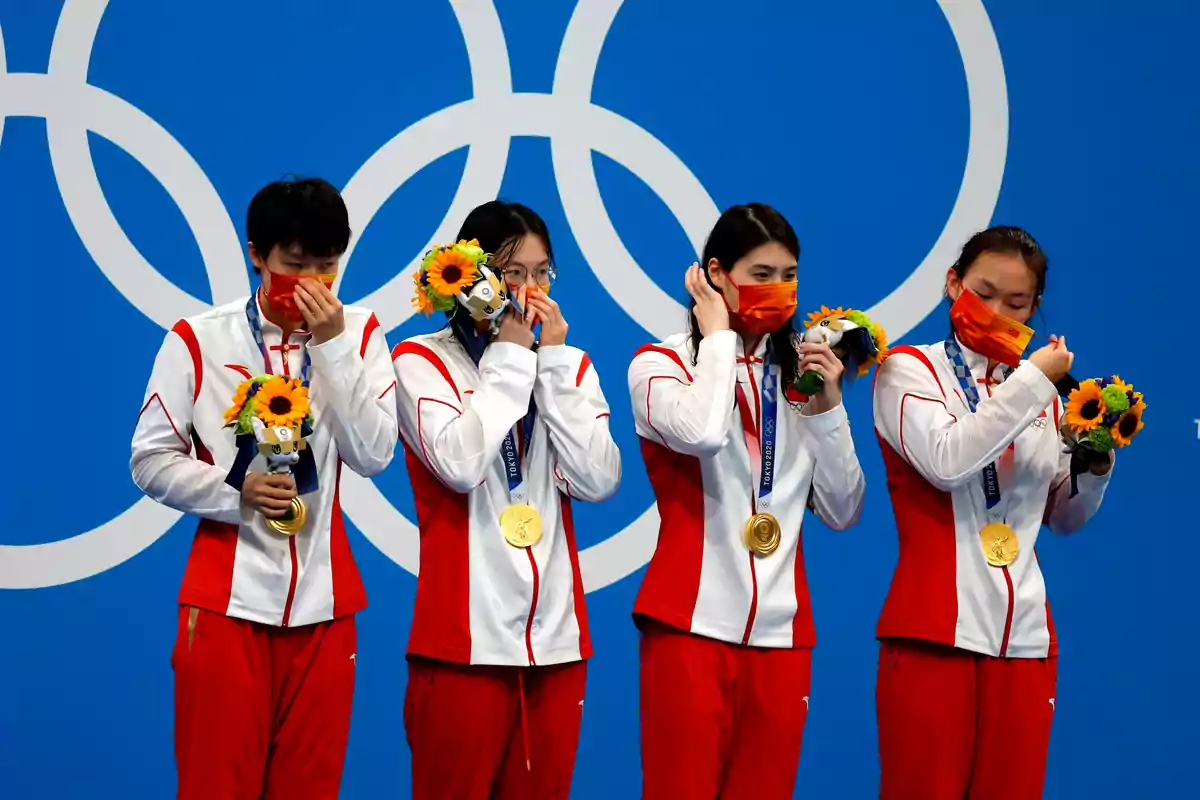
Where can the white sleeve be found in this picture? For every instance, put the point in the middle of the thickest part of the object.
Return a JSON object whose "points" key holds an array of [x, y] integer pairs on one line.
{"points": [[1067, 514], [569, 399], [162, 462], [356, 390], [838, 484], [688, 416], [911, 415], [457, 443]]}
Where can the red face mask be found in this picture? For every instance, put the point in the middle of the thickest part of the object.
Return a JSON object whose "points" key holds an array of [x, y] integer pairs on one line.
{"points": [[280, 295], [764, 307], [992, 335]]}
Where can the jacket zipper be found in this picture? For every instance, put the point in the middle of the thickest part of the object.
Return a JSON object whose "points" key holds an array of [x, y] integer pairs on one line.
{"points": [[522, 445], [1012, 595], [1008, 619], [532, 608], [287, 607], [291, 595]]}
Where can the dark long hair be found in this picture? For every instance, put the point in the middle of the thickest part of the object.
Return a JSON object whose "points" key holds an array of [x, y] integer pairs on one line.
{"points": [[739, 230], [499, 226]]}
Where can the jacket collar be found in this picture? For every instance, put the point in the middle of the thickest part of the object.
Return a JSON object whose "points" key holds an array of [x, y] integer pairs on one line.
{"points": [[978, 364], [760, 351]]}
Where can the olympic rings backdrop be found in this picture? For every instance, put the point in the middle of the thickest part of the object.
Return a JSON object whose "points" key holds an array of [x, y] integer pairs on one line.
{"points": [[133, 134]]}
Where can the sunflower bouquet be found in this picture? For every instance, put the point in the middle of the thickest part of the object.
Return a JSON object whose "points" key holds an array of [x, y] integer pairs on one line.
{"points": [[276, 401], [1102, 414], [445, 276], [271, 416], [857, 341]]}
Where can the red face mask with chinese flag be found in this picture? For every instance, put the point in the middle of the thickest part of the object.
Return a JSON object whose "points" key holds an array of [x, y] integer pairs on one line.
{"points": [[280, 294], [763, 307], [992, 335]]}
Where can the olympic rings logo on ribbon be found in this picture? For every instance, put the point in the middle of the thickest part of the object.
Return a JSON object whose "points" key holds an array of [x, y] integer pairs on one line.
{"points": [[486, 124]]}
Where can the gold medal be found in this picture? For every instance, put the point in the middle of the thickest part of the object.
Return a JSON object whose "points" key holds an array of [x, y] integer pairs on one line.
{"points": [[290, 526], [521, 525], [999, 542], [763, 534]]}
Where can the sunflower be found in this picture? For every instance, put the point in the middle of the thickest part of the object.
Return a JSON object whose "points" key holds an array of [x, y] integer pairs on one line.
{"points": [[450, 272], [816, 316], [239, 401], [1128, 425], [881, 344], [1085, 408], [282, 402], [421, 301]]}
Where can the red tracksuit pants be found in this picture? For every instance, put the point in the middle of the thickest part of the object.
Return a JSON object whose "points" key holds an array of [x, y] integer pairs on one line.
{"points": [[261, 713], [493, 733], [720, 721], [955, 725]]}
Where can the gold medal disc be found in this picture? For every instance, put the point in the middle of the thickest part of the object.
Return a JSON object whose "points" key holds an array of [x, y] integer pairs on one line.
{"points": [[763, 534], [1000, 546], [292, 525], [521, 525]]}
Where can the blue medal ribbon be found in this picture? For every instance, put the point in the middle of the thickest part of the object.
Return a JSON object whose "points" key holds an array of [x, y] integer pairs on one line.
{"points": [[990, 476], [517, 492], [768, 427]]}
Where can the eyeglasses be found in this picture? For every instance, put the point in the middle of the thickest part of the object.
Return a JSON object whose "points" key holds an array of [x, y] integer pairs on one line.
{"points": [[518, 276]]}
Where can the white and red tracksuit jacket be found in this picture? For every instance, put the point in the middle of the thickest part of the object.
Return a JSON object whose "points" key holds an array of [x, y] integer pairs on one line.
{"points": [[935, 451], [182, 453], [703, 578], [479, 599]]}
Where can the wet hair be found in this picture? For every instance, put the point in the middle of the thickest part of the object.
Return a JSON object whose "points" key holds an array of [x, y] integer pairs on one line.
{"points": [[1009, 240], [308, 212], [499, 226], [738, 231]]}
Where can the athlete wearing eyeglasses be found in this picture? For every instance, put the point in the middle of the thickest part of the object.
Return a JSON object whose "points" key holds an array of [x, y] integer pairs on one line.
{"points": [[502, 429]]}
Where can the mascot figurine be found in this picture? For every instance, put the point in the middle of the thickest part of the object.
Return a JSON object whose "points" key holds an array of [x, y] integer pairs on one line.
{"points": [[280, 446], [858, 343]]}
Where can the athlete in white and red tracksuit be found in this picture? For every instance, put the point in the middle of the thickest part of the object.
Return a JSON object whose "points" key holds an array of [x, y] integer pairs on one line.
{"points": [[967, 662], [499, 635], [264, 659], [727, 633]]}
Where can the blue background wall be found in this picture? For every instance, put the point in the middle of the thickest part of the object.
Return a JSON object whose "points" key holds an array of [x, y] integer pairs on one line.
{"points": [[852, 118]]}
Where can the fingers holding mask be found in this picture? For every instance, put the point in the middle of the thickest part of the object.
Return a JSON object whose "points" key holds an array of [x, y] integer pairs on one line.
{"points": [[548, 312]]}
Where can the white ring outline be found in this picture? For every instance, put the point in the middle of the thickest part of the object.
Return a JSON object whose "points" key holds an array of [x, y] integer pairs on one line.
{"points": [[569, 118], [560, 116], [67, 102]]}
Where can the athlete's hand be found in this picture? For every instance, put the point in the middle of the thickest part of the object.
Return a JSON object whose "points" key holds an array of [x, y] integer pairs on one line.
{"points": [[1054, 360], [270, 493], [711, 312], [1103, 464], [542, 309], [322, 311], [515, 326], [820, 357]]}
